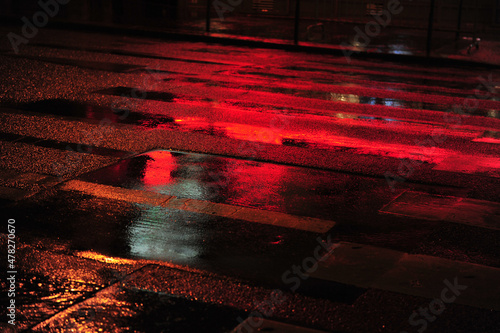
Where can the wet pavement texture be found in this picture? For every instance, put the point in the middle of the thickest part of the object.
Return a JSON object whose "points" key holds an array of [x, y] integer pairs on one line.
{"points": [[51, 297], [110, 67], [162, 186], [61, 107], [135, 310]]}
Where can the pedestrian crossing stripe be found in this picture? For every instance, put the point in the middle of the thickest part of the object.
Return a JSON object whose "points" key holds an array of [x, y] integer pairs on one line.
{"points": [[418, 205], [200, 206], [368, 266]]}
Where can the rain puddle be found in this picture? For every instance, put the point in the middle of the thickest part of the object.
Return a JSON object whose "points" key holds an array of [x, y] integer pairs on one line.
{"points": [[228, 244], [121, 226], [104, 212], [232, 181]]}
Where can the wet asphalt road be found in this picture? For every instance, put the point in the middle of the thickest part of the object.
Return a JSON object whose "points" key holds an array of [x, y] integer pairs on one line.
{"points": [[161, 186]]}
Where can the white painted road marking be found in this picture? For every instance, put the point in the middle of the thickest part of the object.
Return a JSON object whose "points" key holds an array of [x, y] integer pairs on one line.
{"points": [[367, 266], [199, 206], [478, 213]]}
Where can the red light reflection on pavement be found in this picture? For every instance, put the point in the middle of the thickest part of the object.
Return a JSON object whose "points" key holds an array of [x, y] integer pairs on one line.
{"points": [[324, 139], [258, 185], [251, 133], [158, 169]]}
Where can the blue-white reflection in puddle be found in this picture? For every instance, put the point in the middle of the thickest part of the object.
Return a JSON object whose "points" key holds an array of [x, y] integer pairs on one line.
{"points": [[170, 235]]}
